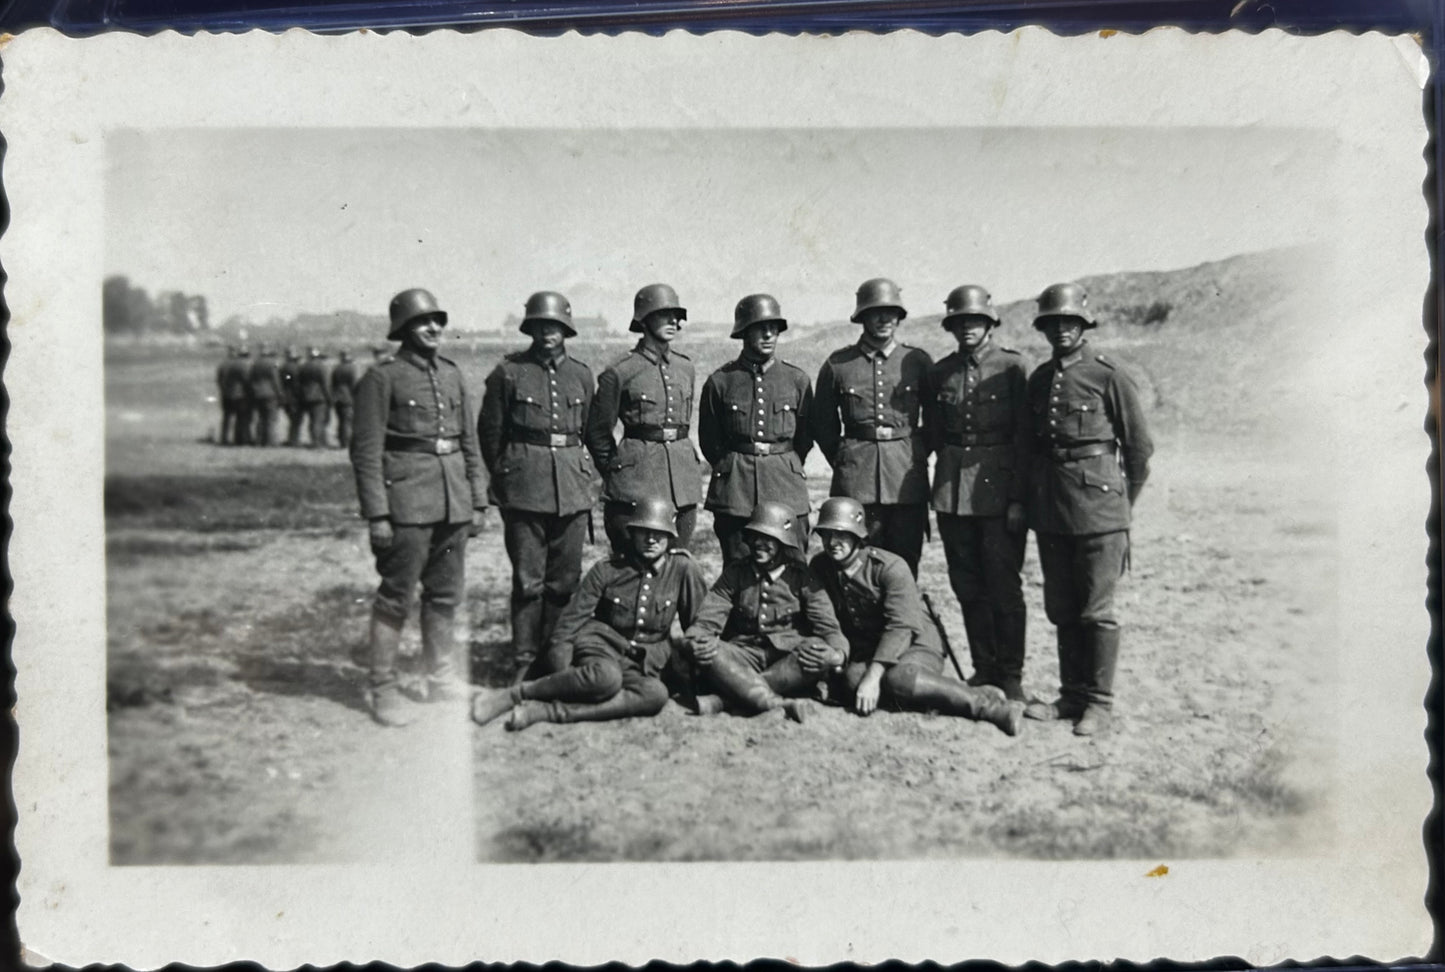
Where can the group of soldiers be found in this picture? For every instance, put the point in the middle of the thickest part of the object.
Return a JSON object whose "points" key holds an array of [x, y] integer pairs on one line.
{"points": [[1063, 451], [253, 393]]}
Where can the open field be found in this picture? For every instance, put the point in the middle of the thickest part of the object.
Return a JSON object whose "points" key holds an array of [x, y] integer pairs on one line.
{"points": [[238, 582]]}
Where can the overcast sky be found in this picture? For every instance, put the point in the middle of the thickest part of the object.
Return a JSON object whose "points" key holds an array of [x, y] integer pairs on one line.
{"points": [[274, 222]]}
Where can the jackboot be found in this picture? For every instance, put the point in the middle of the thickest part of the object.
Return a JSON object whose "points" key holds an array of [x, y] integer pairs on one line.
{"points": [[957, 698], [550, 658], [444, 683], [748, 690], [531, 712], [488, 706], [1102, 655], [526, 635], [1009, 632], [383, 693], [1072, 665], [982, 643]]}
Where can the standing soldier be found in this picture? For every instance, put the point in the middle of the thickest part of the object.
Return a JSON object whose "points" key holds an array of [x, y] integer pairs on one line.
{"points": [[1091, 457], [343, 387], [865, 416], [422, 486], [232, 379], [266, 394], [291, 394], [316, 396], [978, 426], [533, 414], [767, 634], [894, 654], [616, 633], [752, 424], [651, 392]]}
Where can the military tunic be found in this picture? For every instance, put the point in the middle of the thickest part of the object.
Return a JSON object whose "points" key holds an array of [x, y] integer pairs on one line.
{"points": [[417, 465], [1091, 448], [232, 381], [880, 611], [291, 399], [314, 389], [614, 638], [534, 412], [265, 396], [344, 379], [651, 393], [866, 412], [753, 429]]}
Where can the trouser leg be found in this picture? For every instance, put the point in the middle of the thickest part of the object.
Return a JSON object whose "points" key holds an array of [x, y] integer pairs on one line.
{"points": [[899, 528], [686, 524], [639, 695], [443, 581], [293, 424], [615, 515], [734, 672], [563, 571], [525, 537], [1099, 563], [243, 423], [787, 678], [729, 530], [1001, 554]]}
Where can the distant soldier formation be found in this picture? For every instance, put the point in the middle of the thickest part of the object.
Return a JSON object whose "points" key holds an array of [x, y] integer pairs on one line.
{"points": [[255, 392], [1062, 450]]}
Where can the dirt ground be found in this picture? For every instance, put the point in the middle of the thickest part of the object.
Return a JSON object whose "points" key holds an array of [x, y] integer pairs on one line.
{"points": [[239, 583]]}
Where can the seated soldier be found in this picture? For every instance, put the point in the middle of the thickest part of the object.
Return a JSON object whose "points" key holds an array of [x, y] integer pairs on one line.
{"points": [[894, 653], [614, 631], [766, 631]]}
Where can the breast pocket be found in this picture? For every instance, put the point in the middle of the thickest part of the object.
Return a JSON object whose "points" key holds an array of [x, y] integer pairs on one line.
{"points": [[785, 419], [904, 403], [857, 405], [643, 408], [993, 411], [527, 410], [737, 421], [410, 416]]}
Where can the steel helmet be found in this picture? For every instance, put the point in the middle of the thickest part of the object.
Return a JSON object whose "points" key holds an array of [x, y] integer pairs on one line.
{"points": [[407, 306], [773, 520], [844, 514], [756, 309], [242, 351], [653, 298], [970, 300], [268, 351], [548, 305], [291, 353], [653, 513], [1065, 300], [878, 292]]}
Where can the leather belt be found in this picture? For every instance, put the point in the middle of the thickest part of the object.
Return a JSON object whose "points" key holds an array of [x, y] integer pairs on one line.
{"points": [[556, 440], [762, 448], [656, 433], [443, 446], [876, 433], [978, 439], [1069, 453]]}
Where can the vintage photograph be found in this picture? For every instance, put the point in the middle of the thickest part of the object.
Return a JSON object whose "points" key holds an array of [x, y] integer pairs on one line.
{"points": [[737, 486], [407, 425]]}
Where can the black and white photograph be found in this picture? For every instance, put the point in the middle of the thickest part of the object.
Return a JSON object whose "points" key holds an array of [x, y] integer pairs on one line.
{"points": [[973, 486]]}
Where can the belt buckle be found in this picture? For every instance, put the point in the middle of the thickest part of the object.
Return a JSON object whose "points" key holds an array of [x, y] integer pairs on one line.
{"points": [[557, 439], [669, 435], [884, 432], [446, 447]]}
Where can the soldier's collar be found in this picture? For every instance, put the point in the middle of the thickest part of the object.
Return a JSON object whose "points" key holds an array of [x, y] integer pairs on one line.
{"points": [[852, 567], [886, 351], [984, 350], [412, 358], [773, 572], [650, 354], [1074, 356], [754, 365], [545, 359]]}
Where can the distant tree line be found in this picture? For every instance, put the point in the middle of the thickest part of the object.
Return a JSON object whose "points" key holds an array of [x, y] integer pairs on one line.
{"points": [[127, 309]]}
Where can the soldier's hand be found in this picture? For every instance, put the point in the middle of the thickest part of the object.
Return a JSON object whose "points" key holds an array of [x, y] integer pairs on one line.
{"points": [[381, 534], [865, 699], [817, 656], [1013, 518], [703, 648], [479, 522]]}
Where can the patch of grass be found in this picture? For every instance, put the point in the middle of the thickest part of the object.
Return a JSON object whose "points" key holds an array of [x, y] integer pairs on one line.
{"points": [[548, 841], [280, 497]]}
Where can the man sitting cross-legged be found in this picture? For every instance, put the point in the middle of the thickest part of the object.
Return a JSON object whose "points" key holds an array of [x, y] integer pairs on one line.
{"points": [[766, 631], [894, 653], [615, 632]]}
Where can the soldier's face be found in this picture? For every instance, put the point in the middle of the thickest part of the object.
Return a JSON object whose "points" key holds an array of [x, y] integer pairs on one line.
{"points": [[548, 335], [762, 339], [663, 325], [1064, 334], [839, 546], [880, 324], [763, 549], [425, 333], [649, 544], [971, 332]]}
